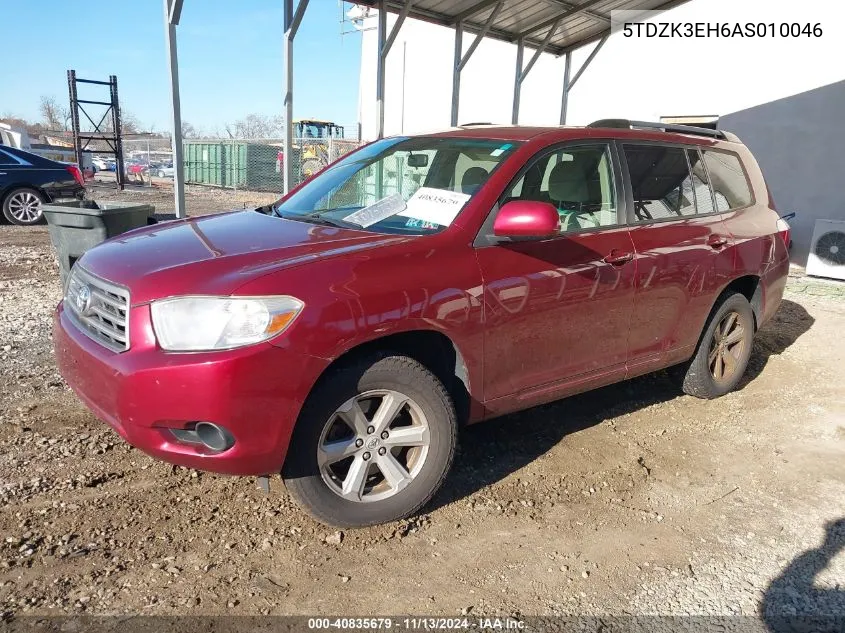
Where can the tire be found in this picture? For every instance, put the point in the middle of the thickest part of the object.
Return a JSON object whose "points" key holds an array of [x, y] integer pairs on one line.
{"points": [[22, 206], [319, 487], [701, 378]]}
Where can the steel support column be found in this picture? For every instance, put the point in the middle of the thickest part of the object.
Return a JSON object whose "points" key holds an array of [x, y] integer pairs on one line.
{"points": [[456, 72], [521, 73], [172, 13], [385, 42], [568, 84], [461, 59], [517, 80], [564, 101], [292, 20], [382, 35]]}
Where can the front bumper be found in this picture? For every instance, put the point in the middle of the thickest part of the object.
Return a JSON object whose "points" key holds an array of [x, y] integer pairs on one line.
{"points": [[255, 392]]}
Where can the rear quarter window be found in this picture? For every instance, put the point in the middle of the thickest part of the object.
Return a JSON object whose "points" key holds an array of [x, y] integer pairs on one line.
{"points": [[728, 179]]}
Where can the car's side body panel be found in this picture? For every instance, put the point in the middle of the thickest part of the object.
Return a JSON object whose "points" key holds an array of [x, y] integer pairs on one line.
{"points": [[48, 177], [555, 313]]}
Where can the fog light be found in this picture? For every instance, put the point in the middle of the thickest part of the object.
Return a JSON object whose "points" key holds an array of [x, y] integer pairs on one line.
{"points": [[214, 437]]}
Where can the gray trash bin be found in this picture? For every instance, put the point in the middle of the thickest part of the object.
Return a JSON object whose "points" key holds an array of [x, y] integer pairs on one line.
{"points": [[82, 224]]}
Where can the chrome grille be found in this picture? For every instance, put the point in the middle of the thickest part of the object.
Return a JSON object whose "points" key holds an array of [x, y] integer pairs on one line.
{"points": [[99, 308]]}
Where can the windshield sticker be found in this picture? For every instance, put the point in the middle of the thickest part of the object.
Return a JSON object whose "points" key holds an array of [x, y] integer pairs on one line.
{"points": [[413, 223], [438, 206], [501, 150], [378, 211]]}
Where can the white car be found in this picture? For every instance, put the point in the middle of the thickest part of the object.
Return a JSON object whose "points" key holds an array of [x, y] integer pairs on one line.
{"points": [[164, 171], [100, 163]]}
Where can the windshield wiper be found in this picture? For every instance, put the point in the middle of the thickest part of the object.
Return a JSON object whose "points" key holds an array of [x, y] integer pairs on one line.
{"points": [[321, 212], [318, 218]]}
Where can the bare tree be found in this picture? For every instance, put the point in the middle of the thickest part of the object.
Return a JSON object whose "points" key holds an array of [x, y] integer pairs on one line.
{"points": [[53, 114], [129, 123], [254, 126], [188, 130]]}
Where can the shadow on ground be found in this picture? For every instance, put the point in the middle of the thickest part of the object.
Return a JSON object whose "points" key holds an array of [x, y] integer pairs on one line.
{"points": [[492, 450], [789, 323], [794, 603]]}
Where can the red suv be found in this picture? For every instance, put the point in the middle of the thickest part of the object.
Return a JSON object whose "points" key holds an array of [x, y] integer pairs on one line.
{"points": [[341, 336]]}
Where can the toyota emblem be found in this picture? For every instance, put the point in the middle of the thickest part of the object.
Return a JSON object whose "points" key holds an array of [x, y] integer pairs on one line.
{"points": [[83, 300]]}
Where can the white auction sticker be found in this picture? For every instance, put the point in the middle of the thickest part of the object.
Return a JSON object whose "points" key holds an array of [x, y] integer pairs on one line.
{"points": [[439, 206], [378, 211]]}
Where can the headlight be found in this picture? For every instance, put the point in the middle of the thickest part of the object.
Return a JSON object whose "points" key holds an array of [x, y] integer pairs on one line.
{"points": [[190, 324]]}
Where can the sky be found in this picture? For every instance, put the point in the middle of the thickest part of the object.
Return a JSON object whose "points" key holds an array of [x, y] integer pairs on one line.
{"points": [[230, 59]]}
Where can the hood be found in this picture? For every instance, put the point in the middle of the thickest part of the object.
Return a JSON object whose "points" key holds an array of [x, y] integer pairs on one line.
{"points": [[217, 254]]}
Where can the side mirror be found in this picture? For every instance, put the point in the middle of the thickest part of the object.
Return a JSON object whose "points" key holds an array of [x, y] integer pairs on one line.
{"points": [[526, 218]]}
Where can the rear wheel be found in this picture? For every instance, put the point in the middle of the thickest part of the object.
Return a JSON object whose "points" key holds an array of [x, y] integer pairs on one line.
{"points": [[373, 443], [23, 206], [723, 351]]}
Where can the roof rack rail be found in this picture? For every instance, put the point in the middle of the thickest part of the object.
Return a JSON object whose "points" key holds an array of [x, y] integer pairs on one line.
{"points": [[665, 127]]}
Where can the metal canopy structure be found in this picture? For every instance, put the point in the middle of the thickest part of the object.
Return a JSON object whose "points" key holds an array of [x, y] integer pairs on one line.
{"points": [[552, 26], [547, 26]]}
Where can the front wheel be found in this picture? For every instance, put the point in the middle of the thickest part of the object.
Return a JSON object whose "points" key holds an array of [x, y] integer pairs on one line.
{"points": [[373, 443], [723, 351], [23, 206]]}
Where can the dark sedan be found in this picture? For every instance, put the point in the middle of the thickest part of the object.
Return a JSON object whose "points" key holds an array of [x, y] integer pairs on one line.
{"points": [[27, 181]]}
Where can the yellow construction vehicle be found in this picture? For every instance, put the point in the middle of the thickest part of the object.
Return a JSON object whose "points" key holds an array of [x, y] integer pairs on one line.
{"points": [[311, 137]]}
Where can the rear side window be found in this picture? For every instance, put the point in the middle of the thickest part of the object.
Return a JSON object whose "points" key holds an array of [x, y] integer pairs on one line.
{"points": [[728, 179], [660, 181], [700, 183], [5, 159]]}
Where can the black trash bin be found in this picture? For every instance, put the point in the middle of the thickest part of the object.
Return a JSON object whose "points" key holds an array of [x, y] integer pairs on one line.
{"points": [[82, 224]]}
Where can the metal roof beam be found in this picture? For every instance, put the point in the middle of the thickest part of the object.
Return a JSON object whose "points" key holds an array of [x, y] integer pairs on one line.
{"points": [[592, 14], [581, 8], [396, 26], [174, 11], [446, 20], [296, 20], [587, 61], [481, 34], [539, 51], [462, 58], [473, 10]]}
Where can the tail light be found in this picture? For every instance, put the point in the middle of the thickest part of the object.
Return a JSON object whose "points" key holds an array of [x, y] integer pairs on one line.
{"points": [[784, 229], [77, 175]]}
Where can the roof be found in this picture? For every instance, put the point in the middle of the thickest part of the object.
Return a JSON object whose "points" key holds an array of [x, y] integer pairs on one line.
{"points": [[526, 133], [315, 121], [576, 22]]}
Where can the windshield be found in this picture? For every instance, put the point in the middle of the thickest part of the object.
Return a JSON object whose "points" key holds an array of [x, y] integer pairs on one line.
{"points": [[399, 185]]}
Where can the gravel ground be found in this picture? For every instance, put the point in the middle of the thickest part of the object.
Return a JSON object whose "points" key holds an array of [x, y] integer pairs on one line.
{"points": [[633, 499]]}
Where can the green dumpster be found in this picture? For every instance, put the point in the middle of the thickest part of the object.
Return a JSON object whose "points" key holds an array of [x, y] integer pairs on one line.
{"points": [[82, 224]]}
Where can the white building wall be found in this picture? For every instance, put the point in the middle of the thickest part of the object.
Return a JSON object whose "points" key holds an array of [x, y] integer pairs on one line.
{"points": [[630, 78]]}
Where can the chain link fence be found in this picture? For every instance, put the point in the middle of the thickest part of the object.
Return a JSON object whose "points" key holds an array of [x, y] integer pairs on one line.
{"points": [[238, 164]]}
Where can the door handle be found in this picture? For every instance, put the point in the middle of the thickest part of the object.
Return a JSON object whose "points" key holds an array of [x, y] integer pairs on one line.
{"points": [[617, 258], [717, 241]]}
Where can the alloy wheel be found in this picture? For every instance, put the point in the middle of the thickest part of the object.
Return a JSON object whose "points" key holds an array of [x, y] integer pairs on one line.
{"points": [[25, 207], [727, 347], [373, 446]]}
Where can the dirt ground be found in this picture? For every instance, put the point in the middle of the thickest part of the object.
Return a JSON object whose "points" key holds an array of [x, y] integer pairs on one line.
{"points": [[633, 499]]}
